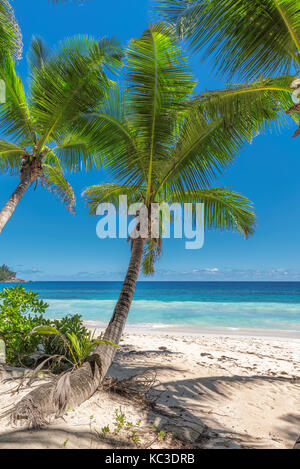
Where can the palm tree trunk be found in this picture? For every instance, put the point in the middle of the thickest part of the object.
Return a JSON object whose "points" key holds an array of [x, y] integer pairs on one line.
{"points": [[13, 201], [82, 383], [297, 444]]}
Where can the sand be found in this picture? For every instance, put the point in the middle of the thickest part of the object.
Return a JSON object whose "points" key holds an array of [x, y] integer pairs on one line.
{"points": [[211, 391]]}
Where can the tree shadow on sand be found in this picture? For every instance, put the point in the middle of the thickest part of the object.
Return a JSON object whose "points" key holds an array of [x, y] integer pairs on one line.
{"points": [[180, 406], [183, 405]]}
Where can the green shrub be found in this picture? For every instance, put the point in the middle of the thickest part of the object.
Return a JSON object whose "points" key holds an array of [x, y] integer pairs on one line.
{"points": [[76, 348], [20, 312], [70, 324]]}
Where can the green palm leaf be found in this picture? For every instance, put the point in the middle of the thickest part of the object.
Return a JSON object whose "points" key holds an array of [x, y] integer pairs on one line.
{"points": [[70, 83], [253, 106], [94, 195], [39, 53], [224, 209], [15, 118], [53, 179], [152, 253], [204, 148], [240, 36], [76, 153], [10, 35], [111, 133], [159, 80], [10, 157]]}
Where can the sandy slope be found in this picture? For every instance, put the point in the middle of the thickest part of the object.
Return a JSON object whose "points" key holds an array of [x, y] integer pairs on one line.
{"points": [[212, 390]]}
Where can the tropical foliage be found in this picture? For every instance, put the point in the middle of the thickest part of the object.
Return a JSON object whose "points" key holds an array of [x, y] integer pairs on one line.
{"points": [[6, 273], [160, 145], [10, 35], [72, 324], [257, 40], [76, 347], [41, 142], [20, 311], [23, 326]]}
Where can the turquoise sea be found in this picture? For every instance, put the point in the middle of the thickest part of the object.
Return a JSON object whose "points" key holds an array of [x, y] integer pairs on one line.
{"points": [[228, 305]]}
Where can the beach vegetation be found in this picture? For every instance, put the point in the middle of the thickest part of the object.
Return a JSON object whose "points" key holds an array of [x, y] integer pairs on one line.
{"points": [[20, 311], [69, 324], [132, 431], [6, 273], [24, 328], [76, 348]]}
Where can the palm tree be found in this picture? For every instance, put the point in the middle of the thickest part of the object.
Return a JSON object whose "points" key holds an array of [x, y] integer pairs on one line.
{"points": [[42, 141], [157, 148], [257, 40], [10, 35]]}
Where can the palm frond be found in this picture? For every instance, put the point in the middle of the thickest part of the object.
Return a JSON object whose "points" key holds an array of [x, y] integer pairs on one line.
{"points": [[54, 180], [202, 152], [71, 82], [10, 157], [76, 153], [256, 105], [159, 79], [249, 38], [39, 53], [101, 193], [151, 254], [218, 124], [224, 209], [10, 34], [15, 117], [111, 134]]}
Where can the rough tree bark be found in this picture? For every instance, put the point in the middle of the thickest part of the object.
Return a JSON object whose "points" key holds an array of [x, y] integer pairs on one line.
{"points": [[76, 387], [13, 201]]}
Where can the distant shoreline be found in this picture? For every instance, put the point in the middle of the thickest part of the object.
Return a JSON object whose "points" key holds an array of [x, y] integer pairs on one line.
{"points": [[156, 281], [15, 280]]}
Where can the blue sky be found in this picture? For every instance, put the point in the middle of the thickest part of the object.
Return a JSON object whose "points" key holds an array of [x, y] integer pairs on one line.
{"points": [[44, 242]]}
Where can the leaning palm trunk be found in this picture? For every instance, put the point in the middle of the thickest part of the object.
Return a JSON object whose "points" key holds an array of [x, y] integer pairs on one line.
{"points": [[13, 201], [74, 388], [297, 444]]}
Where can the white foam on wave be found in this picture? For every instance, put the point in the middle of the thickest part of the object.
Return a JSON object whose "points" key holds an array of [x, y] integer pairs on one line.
{"points": [[158, 314]]}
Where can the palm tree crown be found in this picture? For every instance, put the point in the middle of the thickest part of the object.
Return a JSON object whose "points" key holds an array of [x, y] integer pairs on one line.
{"points": [[254, 40], [160, 145], [242, 37], [41, 140]]}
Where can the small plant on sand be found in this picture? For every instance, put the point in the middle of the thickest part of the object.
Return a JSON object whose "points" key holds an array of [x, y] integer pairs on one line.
{"points": [[131, 431], [79, 348]]}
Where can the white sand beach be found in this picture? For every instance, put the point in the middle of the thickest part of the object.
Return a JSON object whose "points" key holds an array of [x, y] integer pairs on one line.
{"points": [[211, 391]]}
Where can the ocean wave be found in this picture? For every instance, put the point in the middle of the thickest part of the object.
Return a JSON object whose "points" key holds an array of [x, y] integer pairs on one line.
{"points": [[225, 314]]}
